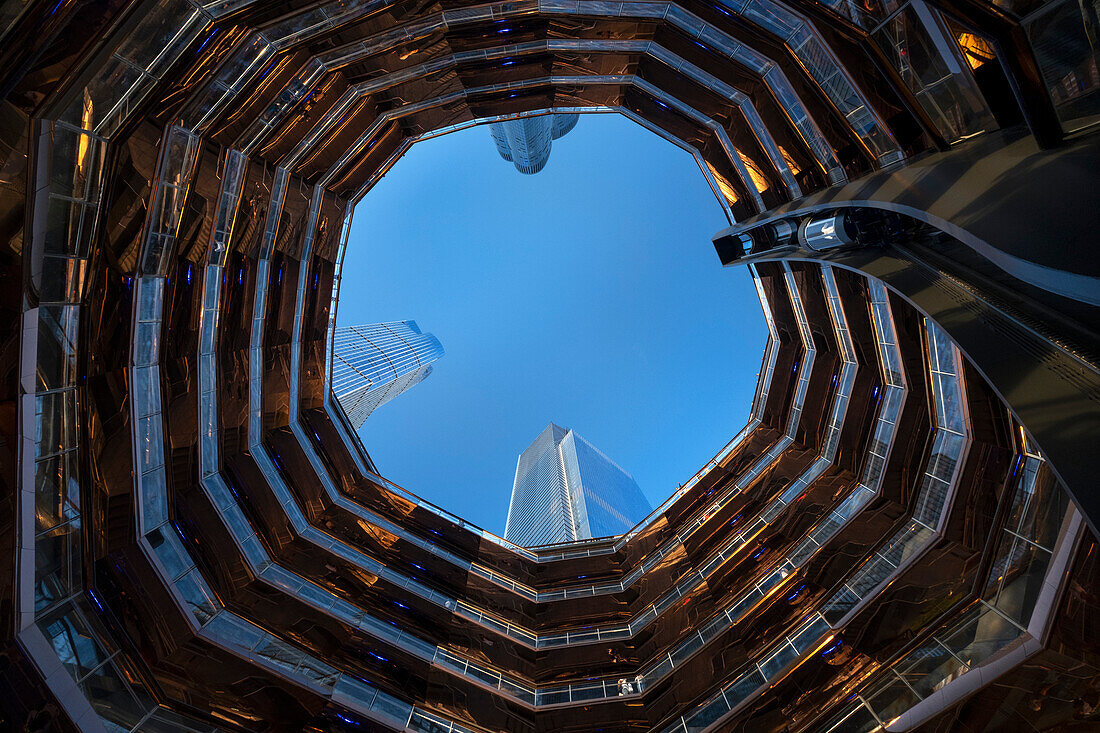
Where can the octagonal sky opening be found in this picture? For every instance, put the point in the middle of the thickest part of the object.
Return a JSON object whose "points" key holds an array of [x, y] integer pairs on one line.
{"points": [[588, 295]]}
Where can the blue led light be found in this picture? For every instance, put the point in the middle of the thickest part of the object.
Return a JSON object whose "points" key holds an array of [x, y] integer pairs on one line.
{"points": [[207, 40]]}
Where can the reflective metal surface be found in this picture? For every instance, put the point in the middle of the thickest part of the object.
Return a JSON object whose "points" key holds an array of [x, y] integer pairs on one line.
{"points": [[198, 541]]}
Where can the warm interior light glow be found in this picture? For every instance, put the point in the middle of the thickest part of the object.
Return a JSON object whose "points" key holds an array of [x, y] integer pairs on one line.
{"points": [[723, 184], [795, 170], [86, 123], [759, 181], [976, 49]]}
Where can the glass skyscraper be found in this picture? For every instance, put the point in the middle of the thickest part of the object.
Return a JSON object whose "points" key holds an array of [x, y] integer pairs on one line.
{"points": [[566, 489], [374, 363], [526, 142]]}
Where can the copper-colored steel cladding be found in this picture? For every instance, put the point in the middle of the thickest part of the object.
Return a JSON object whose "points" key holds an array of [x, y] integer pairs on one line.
{"points": [[902, 536]]}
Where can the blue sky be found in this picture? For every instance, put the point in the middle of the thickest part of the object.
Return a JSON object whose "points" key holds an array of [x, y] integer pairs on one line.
{"points": [[588, 294]]}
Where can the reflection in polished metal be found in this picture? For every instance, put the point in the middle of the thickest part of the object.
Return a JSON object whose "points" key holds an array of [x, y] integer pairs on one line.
{"points": [[566, 489], [375, 363], [526, 142], [826, 233], [201, 543]]}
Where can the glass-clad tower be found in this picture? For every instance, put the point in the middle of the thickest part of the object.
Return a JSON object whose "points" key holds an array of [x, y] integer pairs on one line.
{"points": [[566, 489], [526, 142], [374, 363]]}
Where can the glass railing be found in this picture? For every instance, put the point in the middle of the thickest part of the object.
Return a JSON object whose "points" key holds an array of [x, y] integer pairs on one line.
{"points": [[905, 547], [221, 498], [571, 550], [74, 139], [196, 594], [706, 34], [819, 62], [578, 692], [163, 541], [81, 210], [844, 383], [650, 48], [377, 126], [663, 666], [612, 587], [929, 61], [1031, 556], [1063, 36]]}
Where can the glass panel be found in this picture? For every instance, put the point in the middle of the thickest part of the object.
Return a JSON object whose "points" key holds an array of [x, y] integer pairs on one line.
{"points": [[932, 665], [1042, 518], [75, 161], [1066, 48], [157, 33], [61, 279], [171, 556], [72, 639], [1022, 569], [783, 656], [391, 708], [56, 424], [234, 632], [198, 598], [980, 638], [150, 442], [892, 700], [745, 685], [57, 572], [102, 92], [154, 498], [112, 697], [860, 720], [57, 491], [927, 60], [708, 715]]}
